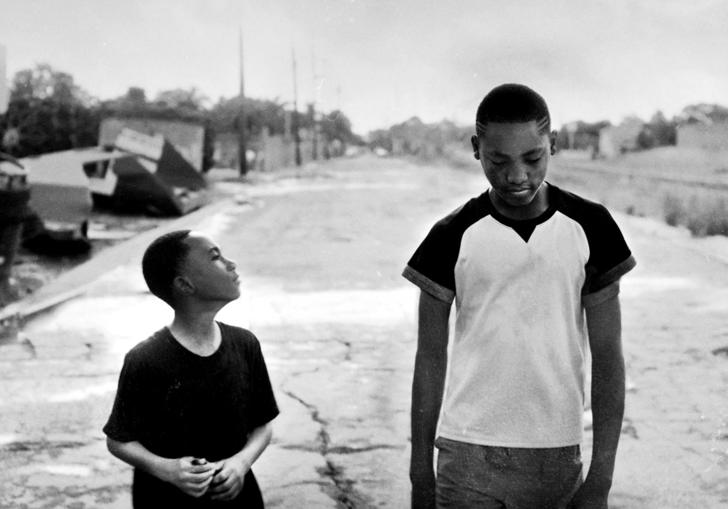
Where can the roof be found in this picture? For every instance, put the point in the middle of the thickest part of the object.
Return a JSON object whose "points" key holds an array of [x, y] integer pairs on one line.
{"points": [[74, 156], [66, 167]]}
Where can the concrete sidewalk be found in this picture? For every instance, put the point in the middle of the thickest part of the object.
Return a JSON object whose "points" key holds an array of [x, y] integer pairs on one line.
{"points": [[74, 282]]}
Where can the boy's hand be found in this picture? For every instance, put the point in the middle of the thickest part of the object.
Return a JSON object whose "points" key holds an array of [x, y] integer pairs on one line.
{"points": [[423, 495], [229, 478], [589, 497], [423, 492], [191, 475]]}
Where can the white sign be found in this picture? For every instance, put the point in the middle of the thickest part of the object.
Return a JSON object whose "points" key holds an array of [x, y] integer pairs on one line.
{"points": [[4, 94]]}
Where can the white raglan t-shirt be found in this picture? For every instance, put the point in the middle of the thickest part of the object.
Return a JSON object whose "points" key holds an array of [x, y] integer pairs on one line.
{"points": [[517, 363]]}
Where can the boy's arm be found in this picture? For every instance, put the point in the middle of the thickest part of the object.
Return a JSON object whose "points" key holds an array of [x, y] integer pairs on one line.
{"points": [[231, 475], [184, 473], [427, 389], [607, 393]]}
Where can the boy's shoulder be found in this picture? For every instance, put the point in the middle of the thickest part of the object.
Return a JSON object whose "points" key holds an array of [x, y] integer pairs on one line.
{"points": [[602, 232], [237, 332], [465, 215], [577, 207], [151, 347], [239, 336]]}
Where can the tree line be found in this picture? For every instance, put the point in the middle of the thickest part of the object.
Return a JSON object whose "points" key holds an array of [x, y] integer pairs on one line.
{"points": [[48, 111], [414, 137]]}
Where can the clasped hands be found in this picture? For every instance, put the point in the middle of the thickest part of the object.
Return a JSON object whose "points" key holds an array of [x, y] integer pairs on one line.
{"points": [[221, 480]]}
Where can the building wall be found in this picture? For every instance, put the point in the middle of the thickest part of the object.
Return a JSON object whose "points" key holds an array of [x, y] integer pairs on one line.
{"points": [[268, 153], [703, 136], [615, 140]]}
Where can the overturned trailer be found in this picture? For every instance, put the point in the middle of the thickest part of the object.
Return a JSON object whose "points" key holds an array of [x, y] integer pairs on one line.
{"points": [[153, 177]]}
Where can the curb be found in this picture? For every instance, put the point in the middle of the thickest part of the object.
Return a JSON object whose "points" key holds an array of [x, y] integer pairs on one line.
{"points": [[77, 280]]}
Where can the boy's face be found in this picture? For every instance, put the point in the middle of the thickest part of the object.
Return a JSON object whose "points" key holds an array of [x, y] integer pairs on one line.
{"points": [[208, 274], [515, 157]]}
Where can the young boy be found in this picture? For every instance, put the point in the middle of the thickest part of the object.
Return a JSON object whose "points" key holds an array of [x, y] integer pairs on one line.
{"points": [[534, 272], [194, 404]]}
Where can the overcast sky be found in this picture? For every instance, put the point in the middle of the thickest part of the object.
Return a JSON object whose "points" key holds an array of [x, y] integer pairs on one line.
{"points": [[383, 61]]}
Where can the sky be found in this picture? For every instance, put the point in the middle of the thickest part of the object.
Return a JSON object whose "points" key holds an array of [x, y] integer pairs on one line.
{"points": [[384, 61]]}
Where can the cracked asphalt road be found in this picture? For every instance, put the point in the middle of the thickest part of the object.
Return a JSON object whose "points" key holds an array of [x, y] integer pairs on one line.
{"points": [[321, 254]]}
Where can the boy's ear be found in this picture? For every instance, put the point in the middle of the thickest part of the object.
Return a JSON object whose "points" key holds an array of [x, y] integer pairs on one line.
{"points": [[474, 142], [183, 285], [552, 141]]}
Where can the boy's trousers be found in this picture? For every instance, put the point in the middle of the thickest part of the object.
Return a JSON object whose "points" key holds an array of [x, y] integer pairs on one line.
{"points": [[485, 477]]}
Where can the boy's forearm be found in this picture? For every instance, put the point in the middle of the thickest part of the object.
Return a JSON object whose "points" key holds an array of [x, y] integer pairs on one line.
{"points": [[258, 440], [607, 411], [138, 456], [428, 382], [427, 388], [608, 393]]}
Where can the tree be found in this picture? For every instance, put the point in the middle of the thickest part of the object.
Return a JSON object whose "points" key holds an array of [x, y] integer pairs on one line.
{"points": [[663, 131], [187, 101], [336, 126], [47, 111]]}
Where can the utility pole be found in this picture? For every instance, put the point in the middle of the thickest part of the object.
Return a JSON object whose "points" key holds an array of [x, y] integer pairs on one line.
{"points": [[314, 123], [296, 135], [242, 145]]}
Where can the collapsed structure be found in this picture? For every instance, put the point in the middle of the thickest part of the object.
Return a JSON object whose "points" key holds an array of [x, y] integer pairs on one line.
{"points": [[140, 173]]}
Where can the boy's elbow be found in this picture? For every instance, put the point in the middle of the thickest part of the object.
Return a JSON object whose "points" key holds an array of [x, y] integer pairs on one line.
{"points": [[268, 432], [114, 446]]}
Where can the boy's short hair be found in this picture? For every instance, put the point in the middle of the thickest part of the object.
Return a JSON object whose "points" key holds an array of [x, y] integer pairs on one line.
{"points": [[161, 263], [512, 102]]}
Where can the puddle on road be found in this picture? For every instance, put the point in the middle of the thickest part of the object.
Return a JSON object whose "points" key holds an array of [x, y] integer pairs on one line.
{"points": [[636, 286], [289, 186], [8, 438], [277, 307], [115, 323], [81, 394], [695, 293], [70, 470]]}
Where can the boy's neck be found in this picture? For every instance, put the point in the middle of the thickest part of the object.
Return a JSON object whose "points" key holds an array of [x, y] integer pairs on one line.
{"points": [[538, 205], [197, 332]]}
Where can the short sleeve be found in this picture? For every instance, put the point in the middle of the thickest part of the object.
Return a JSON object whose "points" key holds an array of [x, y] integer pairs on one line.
{"points": [[609, 256], [125, 421], [432, 266], [265, 408]]}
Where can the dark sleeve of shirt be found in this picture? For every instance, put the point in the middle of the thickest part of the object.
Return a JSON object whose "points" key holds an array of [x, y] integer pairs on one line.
{"points": [[609, 256], [125, 422], [264, 404], [432, 267]]}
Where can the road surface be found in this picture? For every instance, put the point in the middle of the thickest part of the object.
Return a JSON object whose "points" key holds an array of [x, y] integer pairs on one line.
{"points": [[321, 254]]}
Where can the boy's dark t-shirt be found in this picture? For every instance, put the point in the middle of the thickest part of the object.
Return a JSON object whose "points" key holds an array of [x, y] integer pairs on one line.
{"points": [[176, 404]]}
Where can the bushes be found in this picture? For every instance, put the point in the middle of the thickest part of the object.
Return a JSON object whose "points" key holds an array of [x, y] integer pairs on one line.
{"points": [[674, 210], [702, 214]]}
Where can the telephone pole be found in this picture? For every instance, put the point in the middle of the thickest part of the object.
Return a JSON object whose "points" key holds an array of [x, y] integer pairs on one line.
{"points": [[296, 134], [242, 145], [314, 123]]}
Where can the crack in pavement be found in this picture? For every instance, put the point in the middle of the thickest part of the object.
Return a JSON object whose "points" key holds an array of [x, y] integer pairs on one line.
{"points": [[41, 445], [344, 492], [347, 345], [343, 449]]}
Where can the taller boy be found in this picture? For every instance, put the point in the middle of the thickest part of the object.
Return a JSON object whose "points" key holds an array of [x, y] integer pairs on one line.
{"points": [[534, 272]]}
